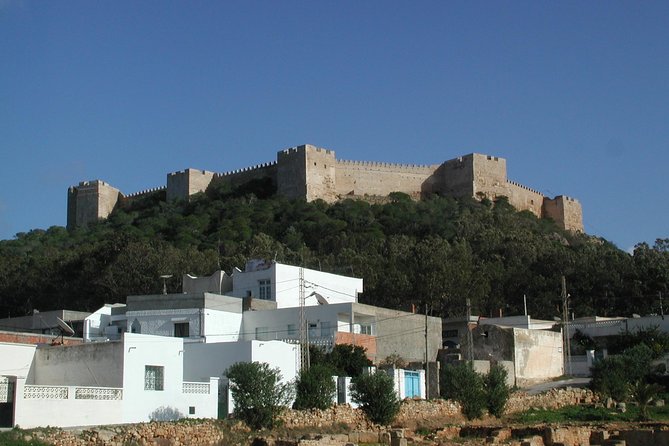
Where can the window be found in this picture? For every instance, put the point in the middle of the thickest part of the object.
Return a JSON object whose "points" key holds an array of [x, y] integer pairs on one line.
{"points": [[366, 329], [312, 329], [262, 334], [191, 410], [292, 330], [325, 329], [181, 330], [153, 377], [451, 333], [265, 289]]}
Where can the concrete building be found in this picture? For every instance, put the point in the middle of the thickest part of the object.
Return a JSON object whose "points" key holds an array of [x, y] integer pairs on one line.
{"points": [[278, 283], [312, 173], [45, 322], [136, 379], [531, 350]]}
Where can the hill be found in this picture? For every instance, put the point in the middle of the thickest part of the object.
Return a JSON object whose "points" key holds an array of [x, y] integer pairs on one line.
{"points": [[438, 251]]}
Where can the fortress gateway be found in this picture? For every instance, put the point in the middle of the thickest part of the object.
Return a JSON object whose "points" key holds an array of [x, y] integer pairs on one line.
{"points": [[311, 173]]}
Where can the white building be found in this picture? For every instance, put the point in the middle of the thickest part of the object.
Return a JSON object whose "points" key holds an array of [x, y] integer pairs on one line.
{"points": [[278, 283], [136, 379]]}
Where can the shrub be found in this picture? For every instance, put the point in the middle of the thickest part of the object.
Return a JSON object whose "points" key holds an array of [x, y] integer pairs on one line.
{"points": [[258, 395], [315, 388], [375, 393], [613, 376], [497, 390], [462, 384]]}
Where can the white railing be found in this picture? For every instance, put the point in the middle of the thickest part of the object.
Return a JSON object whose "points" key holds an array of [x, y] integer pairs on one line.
{"points": [[98, 393], [6, 390], [45, 392], [195, 388]]}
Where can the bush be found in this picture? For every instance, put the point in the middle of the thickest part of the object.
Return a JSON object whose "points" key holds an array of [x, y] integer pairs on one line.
{"points": [[315, 388], [257, 393], [462, 384], [496, 390], [375, 393], [613, 376]]}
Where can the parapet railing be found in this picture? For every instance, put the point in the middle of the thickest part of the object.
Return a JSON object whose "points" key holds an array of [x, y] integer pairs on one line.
{"points": [[63, 392], [195, 387]]}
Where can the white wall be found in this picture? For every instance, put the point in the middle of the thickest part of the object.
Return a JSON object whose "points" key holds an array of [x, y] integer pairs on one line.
{"points": [[221, 326], [51, 411], [276, 321], [161, 322], [204, 360], [285, 285], [213, 359], [538, 355], [16, 359]]}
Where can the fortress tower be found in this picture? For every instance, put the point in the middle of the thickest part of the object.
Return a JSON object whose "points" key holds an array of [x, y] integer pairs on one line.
{"points": [[89, 202], [312, 173]]}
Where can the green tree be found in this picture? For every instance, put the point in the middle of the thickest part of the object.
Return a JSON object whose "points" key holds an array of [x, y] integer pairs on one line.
{"points": [[497, 391], [258, 394], [461, 383], [614, 375], [348, 360], [315, 388], [375, 393], [643, 393]]}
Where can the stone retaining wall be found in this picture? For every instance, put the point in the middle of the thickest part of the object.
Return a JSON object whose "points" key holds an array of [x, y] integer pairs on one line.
{"points": [[413, 414]]}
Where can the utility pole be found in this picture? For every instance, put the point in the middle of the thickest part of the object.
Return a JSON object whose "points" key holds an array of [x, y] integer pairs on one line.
{"points": [[565, 326], [661, 307], [470, 337], [427, 359], [304, 342]]}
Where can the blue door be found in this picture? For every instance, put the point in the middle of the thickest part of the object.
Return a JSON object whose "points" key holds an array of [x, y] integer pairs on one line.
{"points": [[411, 384]]}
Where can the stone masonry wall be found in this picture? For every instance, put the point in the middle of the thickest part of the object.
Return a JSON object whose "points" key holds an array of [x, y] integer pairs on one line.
{"points": [[565, 211], [364, 178], [524, 198], [312, 173]]}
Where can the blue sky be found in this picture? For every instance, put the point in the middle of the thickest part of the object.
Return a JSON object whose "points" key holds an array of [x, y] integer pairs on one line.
{"points": [[573, 94]]}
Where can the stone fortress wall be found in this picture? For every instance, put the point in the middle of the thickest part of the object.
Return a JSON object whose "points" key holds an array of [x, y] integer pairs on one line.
{"points": [[314, 173]]}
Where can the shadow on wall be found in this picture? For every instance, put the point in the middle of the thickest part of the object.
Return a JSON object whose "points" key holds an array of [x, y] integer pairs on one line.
{"points": [[165, 413]]}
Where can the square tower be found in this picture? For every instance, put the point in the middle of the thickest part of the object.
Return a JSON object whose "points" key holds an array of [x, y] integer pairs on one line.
{"points": [[307, 172]]}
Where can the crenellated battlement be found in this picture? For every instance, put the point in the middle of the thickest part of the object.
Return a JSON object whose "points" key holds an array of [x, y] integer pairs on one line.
{"points": [[529, 189], [245, 169], [145, 192], [310, 172], [375, 164]]}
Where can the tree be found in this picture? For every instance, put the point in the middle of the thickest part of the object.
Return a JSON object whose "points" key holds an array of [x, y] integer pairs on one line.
{"points": [[497, 391], [375, 393], [613, 376], [348, 360], [461, 383], [643, 393], [315, 388], [258, 395]]}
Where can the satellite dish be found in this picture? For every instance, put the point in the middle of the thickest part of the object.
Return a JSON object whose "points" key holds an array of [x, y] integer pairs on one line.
{"points": [[64, 327], [321, 300]]}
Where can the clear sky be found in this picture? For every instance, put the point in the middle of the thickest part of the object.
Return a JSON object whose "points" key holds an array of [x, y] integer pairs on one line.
{"points": [[575, 95]]}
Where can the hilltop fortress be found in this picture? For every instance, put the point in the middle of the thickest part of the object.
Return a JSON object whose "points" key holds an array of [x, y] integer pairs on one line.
{"points": [[313, 173]]}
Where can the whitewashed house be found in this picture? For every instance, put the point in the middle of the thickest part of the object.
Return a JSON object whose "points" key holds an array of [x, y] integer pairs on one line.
{"points": [[136, 379]]}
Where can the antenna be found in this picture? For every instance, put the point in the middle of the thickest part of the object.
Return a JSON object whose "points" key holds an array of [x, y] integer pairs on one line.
{"points": [[165, 277]]}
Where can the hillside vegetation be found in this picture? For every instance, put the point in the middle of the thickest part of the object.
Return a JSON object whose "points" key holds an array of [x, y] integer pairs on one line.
{"points": [[439, 251]]}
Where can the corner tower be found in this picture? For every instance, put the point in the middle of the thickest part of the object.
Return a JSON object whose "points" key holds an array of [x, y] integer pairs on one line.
{"points": [[307, 172], [90, 201]]}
